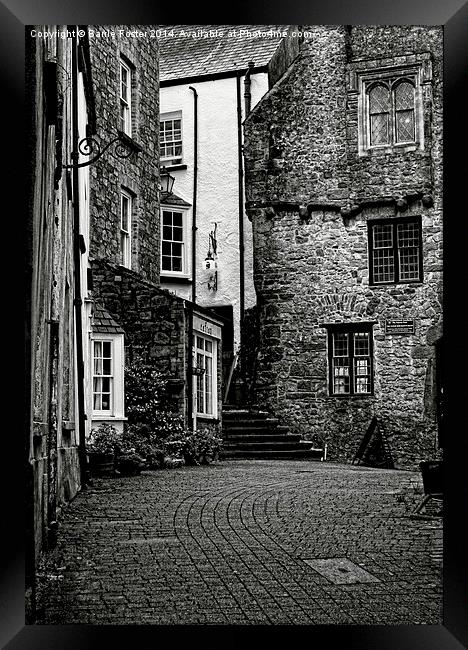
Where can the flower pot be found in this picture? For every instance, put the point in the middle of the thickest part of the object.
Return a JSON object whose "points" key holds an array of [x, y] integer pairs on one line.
{"points": [[101, 464]]}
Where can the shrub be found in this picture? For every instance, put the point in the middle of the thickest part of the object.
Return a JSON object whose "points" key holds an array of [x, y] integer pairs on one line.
{"points": [[105, 439]]}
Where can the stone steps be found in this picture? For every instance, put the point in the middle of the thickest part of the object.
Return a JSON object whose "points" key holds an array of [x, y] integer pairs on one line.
{"points": [[257, 435]]}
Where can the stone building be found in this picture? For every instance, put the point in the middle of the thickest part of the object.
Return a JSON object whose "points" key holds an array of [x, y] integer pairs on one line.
{"points": [[211, 76], [343, 163], [60, 107], [165, 331]]}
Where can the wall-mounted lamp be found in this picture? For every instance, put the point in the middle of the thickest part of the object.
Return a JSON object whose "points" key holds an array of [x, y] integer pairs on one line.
{"points": [[124, 148], [167, 181], [210, 263]]}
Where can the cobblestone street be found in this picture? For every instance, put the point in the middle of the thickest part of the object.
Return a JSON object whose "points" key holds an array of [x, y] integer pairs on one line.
{"points": [[240, 542]]}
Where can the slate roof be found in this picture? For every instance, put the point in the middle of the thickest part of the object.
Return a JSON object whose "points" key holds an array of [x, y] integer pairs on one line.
{"points": [[103, 323], [173, 199], [186, 57]]}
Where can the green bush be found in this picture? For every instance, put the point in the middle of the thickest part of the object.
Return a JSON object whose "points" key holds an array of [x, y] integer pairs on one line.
{"points": [[153, 431]]}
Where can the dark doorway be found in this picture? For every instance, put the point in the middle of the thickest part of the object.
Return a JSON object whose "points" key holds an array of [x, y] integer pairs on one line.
{"points": [[225, 315]]}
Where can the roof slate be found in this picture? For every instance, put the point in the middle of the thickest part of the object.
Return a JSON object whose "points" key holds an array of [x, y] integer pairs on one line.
{"points": [[103, 323], [186, 56], [173, 199]]}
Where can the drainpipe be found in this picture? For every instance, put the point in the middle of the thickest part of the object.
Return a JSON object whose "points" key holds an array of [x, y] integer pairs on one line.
{"points": [[241, 219], [194, 201], [78, 302], [247, 84], [192, 402]]}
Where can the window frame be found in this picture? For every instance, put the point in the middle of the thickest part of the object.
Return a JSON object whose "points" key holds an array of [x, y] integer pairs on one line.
{"points": [[213, 355], [350, 329], [126, 250], [125, 103], [390, 77], [117, 403], [171, 160], [183, 273], [110, 376], [394, 222]]}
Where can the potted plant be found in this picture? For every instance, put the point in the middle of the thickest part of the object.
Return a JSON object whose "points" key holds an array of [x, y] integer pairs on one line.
{"points": [[102, 450]]}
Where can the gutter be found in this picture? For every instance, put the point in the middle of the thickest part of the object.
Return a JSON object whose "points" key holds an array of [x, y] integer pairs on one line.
{"points": [[208, 77], [241, 212]]}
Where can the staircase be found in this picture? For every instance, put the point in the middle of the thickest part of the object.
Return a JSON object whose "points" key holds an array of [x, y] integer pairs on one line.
{"points": [[255, 434]]}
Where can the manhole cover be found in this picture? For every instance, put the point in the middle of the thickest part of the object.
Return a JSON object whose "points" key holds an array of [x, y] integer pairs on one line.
{"points": [[341, 571]]}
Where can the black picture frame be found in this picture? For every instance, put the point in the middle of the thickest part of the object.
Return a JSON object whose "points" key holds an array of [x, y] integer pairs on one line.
{"points": [[453, 14]]}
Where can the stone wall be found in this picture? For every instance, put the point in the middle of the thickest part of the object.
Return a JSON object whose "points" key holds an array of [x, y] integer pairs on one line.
{"points": [[138, 175], [154, 320], [310, 194]]}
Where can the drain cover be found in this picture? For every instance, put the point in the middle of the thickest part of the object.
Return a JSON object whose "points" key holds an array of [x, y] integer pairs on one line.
{"points": [[341, 571]]}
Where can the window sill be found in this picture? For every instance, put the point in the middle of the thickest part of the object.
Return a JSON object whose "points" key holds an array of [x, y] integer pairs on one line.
{"points": [[174, 168], [108, 418], [411, 283], [391, 149], [175, 279], [208, 418], [363, 396]]}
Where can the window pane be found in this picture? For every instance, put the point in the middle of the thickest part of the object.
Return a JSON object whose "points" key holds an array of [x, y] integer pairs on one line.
{"points": [[408, 249], [166, 263], [106, 367], [404, 122], [107, 349], [361, 344], [383, 236], [408, 234], [340, 376], [379, 132], [379, 99], [166, 248], [383, 265], [404, 96], [167, 232], [409, 264], [105, 402], [208, 346], [177, 234], [177, 219], [340, 344]]}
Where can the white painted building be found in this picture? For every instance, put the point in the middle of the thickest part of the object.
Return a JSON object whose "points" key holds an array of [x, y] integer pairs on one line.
{"points": [[203, 83]]}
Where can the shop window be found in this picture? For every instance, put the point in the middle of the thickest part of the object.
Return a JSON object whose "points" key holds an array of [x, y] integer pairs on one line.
{"points": [[206, 362]]}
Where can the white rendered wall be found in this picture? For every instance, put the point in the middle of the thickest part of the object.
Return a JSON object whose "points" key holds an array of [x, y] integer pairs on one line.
{"points": [[217, 194]]}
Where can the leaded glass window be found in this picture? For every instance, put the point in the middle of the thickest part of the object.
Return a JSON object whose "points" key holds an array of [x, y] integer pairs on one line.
{"points": [[391, 111], [379, 114], [404, 112]]}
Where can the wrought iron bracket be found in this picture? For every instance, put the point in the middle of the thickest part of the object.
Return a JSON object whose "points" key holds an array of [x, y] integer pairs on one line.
{"points": [[124, 148]]}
